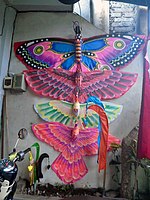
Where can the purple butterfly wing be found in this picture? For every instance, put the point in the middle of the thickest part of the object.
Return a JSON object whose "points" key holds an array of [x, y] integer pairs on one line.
{"points": [[46, 53], [118, 52]]}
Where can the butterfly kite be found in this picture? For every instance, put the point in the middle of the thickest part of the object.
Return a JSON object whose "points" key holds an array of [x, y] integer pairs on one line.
{"points": [[94, 53], [72, 70]]}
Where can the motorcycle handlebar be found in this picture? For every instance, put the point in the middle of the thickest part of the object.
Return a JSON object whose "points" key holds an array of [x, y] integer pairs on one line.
{"points": [[27, 150], [21, 154]]}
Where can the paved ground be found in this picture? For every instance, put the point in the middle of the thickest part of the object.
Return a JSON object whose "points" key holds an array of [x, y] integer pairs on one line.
{"points": [[31, 197]]}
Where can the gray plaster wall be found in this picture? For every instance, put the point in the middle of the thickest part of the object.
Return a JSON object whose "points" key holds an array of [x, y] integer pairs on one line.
{"points": [[20, 111], [100, 14], [123, 18], [7, 18]]}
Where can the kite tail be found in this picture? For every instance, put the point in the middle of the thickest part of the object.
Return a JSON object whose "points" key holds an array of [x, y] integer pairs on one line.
{"points": [[103, 131]]}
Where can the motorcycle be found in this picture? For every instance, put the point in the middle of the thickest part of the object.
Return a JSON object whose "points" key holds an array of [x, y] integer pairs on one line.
{"points": [[9, 169]]}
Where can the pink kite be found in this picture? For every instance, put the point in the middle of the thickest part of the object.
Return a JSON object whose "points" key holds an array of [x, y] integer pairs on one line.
{"points": [[72, 144]]}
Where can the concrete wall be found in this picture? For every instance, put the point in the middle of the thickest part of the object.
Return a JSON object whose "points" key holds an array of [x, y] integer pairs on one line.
{"points": [[123, 18], [100, 14], [20, 106], [83, 9], [94, 11], [7, 18], [128, 18]]}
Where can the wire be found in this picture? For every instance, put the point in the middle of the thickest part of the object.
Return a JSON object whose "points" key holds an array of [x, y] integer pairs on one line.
{"points": [[80, 11], [14, 22], [4, 18], [79, 14], [3, 26], [3, 23]]}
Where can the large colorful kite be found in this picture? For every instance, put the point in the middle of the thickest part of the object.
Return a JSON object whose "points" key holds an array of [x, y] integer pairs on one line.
{"points": [[73, 70], [63, 85], [77, 139], [68, 113], [95, 53], [74, 143], [69, 69]]}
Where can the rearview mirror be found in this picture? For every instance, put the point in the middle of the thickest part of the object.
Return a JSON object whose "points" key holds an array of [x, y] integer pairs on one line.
{"points": [[22, 133]]}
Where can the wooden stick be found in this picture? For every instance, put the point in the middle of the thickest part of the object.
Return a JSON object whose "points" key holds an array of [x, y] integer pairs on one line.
{"points": [[104, 182]]}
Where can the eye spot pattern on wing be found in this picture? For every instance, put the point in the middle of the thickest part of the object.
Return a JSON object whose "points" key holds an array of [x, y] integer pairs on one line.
{"points": [[123, 58], [119, 44], [38, 50], [113, 50]]}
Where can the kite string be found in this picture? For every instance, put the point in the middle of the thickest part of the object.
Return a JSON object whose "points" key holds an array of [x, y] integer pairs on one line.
{"points": [[79, 14]]}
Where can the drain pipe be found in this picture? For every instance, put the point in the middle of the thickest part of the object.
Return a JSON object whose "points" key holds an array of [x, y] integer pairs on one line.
{"points": [[2, 125]]}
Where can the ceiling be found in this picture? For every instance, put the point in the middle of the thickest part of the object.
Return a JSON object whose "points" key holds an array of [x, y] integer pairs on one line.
{"points": [[32, 5]]}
